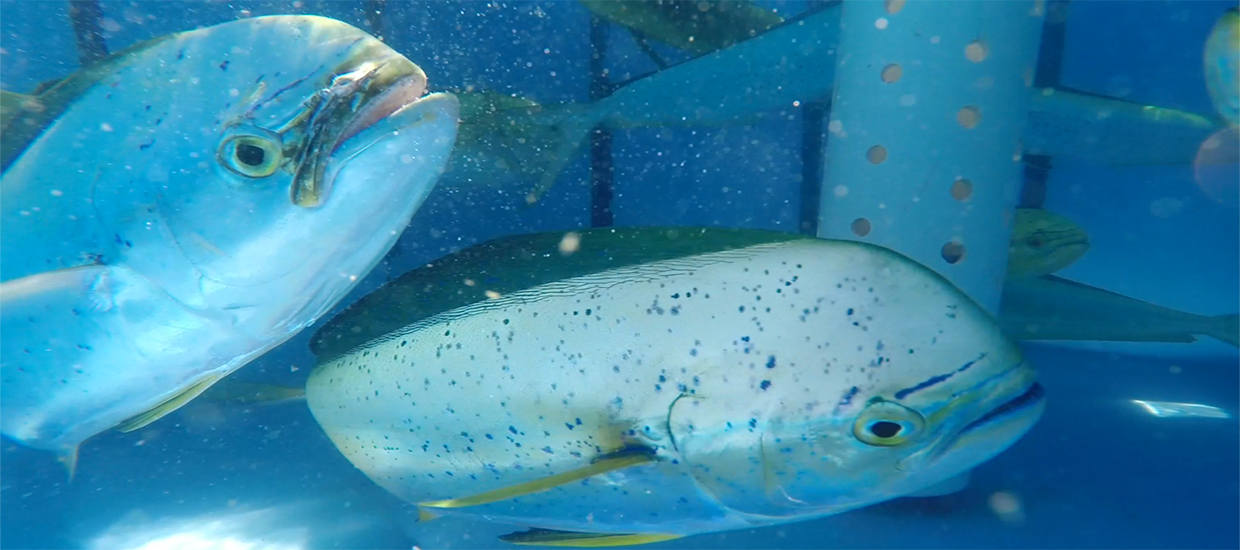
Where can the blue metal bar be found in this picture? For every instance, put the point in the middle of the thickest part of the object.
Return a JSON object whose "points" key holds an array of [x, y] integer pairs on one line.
{"points": [[929, 104], [373, 18], [812, 143], [812, 139], [602, 167], [1050, 65]]}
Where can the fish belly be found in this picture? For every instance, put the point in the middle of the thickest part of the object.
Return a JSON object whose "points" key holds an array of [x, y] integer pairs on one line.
{"points": [[87, 348]]}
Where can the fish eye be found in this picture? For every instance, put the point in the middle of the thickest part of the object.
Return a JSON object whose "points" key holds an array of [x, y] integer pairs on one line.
{"points": [[251, 154], [1035, 241], [886, 424]]}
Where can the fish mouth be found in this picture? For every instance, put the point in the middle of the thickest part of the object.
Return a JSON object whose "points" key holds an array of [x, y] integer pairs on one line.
{"points": [[1028, 400], [1081, 245], [357, 97], [994, 430], [399, 95]]}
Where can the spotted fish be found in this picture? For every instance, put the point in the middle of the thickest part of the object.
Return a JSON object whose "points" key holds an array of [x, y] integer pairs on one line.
{"points": [[180, 208], [629, 385]]}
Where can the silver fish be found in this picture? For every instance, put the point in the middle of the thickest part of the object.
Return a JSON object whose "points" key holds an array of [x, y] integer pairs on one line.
{"points": [[177, 210], [628, 385]]}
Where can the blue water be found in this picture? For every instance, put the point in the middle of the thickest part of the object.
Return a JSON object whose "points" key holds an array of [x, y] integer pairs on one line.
{"points": [[1096, 472]]}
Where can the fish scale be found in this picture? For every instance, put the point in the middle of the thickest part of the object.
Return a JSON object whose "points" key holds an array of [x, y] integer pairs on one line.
{"points": [[700, 359]]}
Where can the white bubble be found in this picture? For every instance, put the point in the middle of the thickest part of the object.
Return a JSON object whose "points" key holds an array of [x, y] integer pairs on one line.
{"points": [[881, 23], [907, 100], [841, 191]]}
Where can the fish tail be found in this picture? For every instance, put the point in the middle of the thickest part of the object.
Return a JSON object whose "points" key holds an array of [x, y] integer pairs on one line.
{"points": [[1226, 328], [571, 123]]}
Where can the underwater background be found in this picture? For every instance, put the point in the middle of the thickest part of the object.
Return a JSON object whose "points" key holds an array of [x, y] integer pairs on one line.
{"points": [[1098, 471]]}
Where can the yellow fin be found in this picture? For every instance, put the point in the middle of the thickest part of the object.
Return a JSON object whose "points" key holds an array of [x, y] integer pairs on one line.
{"points": [[163, 409], [69, 460], [425, 516], [230, 390], [608, 463], [548, 537]]}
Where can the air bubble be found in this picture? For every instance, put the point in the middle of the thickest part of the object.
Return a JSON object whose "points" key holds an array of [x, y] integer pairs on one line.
{"points": [[861, 227], [952, 252], [962, 189], [969, 116], [891, 73], [976, 51], [876, 154]]}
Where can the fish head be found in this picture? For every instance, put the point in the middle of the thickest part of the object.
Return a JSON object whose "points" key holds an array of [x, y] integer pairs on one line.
{"points": [[299, 154], [1222, 65], [1044, 242], [943, 392]]}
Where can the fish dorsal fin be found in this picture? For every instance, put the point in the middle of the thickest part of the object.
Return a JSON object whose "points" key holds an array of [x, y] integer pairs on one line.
{"points": [[514, 263], [570, 539], [619, 460], [31, 114]]}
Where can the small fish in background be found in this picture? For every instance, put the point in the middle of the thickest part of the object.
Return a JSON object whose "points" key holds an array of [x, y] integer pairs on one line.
{"points": [[489, 150], [240, 180], [1165, 409], [1036, 305], [748, 378], [695, 27], [789, 64], [1043, 242]]}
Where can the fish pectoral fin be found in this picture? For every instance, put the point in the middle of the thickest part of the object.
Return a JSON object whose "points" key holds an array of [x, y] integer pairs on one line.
{"points": [[171, 404], [69, 459], [549, 537], [608, 463], [426, 515]]}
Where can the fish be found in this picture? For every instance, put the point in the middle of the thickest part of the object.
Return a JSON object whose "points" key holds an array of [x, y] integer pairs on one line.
{"points": [[489, 151], [695, 27], [1055, 308], [1072, 123], [1036, 305], [1043, 242], [187, 204], [792, 64], [646, 384]]}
